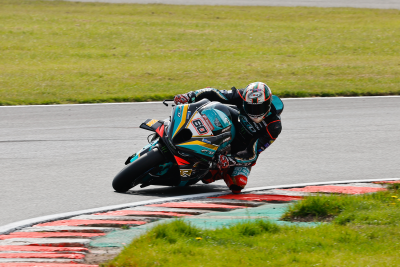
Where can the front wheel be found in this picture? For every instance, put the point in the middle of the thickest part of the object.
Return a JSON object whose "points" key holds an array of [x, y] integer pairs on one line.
{"points": [[124, 180]]}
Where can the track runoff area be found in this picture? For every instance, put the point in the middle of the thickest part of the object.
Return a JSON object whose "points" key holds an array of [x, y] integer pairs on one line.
{"points": [[75, 240]]}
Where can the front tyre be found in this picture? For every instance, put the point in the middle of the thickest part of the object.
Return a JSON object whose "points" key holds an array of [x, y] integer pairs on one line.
{"points": [[127, 176]]}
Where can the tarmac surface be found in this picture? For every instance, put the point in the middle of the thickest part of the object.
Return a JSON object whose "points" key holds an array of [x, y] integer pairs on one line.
{"points": [[63, 158], [382, 4]]}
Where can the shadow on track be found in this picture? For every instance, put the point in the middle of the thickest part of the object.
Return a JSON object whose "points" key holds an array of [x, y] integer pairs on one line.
{"points": [[177, 191]]}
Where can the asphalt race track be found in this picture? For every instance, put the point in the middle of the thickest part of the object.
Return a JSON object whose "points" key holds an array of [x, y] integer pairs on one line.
{"points": [[384, 4], [59, 158]]}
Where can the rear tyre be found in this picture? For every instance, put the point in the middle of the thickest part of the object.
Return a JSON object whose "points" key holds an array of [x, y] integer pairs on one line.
{"points": [[124, 180]]}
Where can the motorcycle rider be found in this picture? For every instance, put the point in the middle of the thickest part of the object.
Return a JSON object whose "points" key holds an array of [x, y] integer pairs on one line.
{"points": [[259, 125]]}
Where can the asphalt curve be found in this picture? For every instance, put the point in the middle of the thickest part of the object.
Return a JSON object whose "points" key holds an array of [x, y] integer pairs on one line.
{"points": [[63, 158], [382, 4]]}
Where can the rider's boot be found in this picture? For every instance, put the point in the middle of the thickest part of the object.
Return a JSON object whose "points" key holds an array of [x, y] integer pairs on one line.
{"points": [[235, 183]]}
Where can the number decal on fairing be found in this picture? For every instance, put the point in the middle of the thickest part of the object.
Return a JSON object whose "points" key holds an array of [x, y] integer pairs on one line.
{"points": [[200, 127]]}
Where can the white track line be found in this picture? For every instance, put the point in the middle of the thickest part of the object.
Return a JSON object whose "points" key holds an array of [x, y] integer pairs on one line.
{"points": [[88, 104], [25, 223], [159, 102]]}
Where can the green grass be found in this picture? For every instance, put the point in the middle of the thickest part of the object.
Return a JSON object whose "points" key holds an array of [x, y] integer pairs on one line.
{"points": [[64, 52], [369, 237], [379, 208], [395, 186]]}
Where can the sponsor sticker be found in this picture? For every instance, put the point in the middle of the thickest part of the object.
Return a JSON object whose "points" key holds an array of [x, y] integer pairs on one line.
{"points": [[208, 152], [226, 129], [241, 171], [226, 139], [254, 95], [263, 148], [256, 125], [246, 123], [206, 141], [207, 122], [243, 180], [185, 172]]}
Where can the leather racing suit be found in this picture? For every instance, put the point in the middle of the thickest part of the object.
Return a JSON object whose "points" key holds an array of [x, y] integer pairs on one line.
{"points": [[251, 138]]}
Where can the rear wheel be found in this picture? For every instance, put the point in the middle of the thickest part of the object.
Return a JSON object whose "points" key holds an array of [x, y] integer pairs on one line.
{"points": [[125, 179]]}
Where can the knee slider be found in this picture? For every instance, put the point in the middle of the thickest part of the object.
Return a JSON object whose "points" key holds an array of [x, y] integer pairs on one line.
{"points": [[235, 189], [236, 184]]}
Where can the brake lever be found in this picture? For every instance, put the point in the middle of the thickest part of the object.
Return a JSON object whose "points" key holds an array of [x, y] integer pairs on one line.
{"points": [[168, 100]]}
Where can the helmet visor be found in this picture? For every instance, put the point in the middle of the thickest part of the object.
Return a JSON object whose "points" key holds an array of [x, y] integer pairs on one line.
{"points": [[256, 110]]}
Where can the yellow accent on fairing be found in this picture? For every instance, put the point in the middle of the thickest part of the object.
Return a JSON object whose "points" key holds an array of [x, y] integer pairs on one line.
{"points": [[200, 143], [183, 121], [151, 123]]}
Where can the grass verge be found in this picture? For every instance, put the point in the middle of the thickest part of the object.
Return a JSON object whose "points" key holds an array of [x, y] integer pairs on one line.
{"points": [[380, 208], [64, 52], [365, 233]]}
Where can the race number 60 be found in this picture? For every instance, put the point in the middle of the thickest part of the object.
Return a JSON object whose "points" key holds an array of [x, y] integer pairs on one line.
{"points": [[200, 128]]}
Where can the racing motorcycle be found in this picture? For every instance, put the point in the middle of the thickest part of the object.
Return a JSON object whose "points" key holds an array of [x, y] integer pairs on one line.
{"points": [[181, 149]]}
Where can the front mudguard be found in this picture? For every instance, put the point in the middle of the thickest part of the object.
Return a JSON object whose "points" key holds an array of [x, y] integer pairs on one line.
{"points": [[141, 152], [134, 173]]}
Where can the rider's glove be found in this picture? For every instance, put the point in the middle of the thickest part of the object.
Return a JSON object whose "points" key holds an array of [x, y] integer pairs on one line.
{"points": [[181, 99], [223, 162]]}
